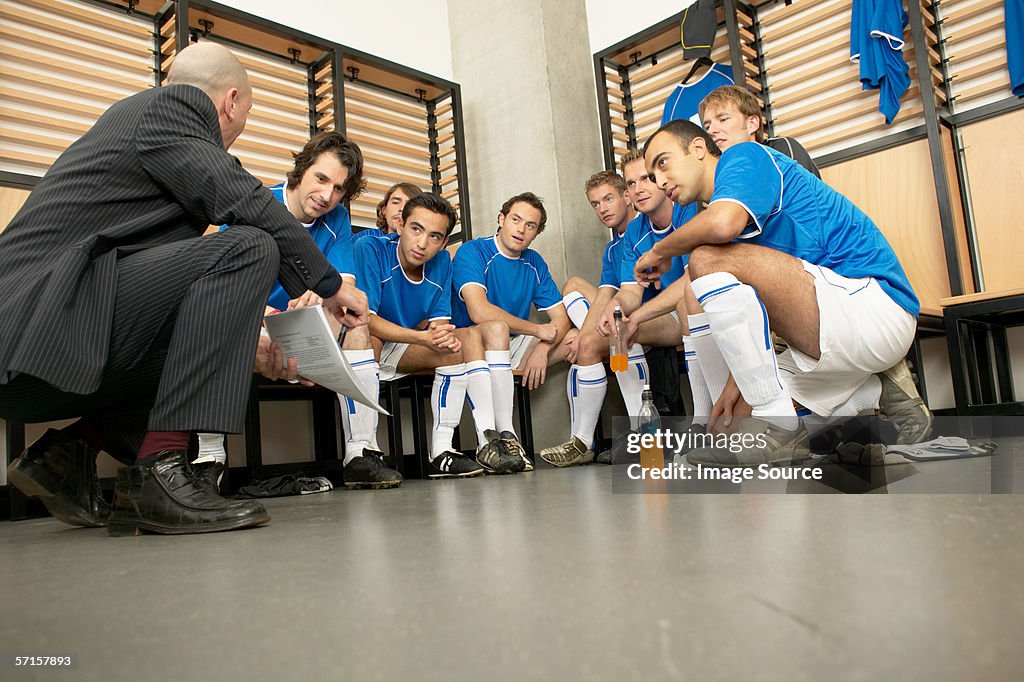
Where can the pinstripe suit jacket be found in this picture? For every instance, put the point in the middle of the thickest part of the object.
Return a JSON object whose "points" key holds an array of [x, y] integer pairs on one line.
{"points": [[151, 171]]}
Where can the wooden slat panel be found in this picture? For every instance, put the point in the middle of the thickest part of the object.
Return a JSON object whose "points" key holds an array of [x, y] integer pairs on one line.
{"points": [[961, 11], [665, 64], [978, 70], [53, 45], [27, 159], [395, 162], [388, 117], [52, 25], [50, 64], [848, 133], [389, 133], [105, 20], [60, 84], [834, 45], [449, 180], [36, 140], [442, 110], [446, 138], [868, 105], [962, 54], [50, 103], [450, 194], [955, 34], [363, 138], [812, 15], [617, 107], [292, 91], [269, 68], [33, 119], [391, 177], [984, 89], [278, 151], [403, 106], [288, 137], [448, 166]]}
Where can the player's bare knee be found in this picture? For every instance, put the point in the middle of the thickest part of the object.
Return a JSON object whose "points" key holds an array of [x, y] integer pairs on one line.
{"points": [[709, 258], [494, 333], [472, 343], [590, 349], [573, 284]]}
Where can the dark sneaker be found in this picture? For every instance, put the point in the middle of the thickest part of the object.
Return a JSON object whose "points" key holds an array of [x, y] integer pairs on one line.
{"points": [[568, 454], [161, 495], [60, 470], [901, 404], [209, 475], [617, 453], [781, 446], [495, 459], [369, 471], [514, 448], [453, 465]]}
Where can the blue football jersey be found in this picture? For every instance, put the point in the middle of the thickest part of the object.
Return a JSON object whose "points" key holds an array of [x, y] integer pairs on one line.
{"points": [[684, 102], [796, 213], [512, 284], [332, 233], [611, 262], [392, 295], [876, 42], [1013, 11], [641, 235]]}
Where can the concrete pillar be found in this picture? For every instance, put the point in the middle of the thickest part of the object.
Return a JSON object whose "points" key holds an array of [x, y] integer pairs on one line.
{"points": [[530, 113]]}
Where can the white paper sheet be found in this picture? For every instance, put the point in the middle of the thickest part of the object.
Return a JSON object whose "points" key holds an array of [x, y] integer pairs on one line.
{"points": [[305, 334]]}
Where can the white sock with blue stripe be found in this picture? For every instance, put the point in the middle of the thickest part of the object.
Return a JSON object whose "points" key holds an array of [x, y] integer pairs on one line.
{"points": [[586, 396], [577, 306], [739, 325], [712, 365], [481, 398], [631, 382], [702, 403], [447, 397], [359, 421], [502, 387]]}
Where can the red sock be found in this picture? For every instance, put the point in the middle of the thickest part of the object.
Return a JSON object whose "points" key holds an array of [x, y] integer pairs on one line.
{"points": [[156, 442]]}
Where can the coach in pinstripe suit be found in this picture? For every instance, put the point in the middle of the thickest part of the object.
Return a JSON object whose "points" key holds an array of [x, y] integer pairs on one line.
{"points": [[116, 310]]}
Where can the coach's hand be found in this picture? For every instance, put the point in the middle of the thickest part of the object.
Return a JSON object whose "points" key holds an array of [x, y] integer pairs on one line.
{"points": [[348, 305], [307, 299], [535, 371], [270, 363], [650, 268]]}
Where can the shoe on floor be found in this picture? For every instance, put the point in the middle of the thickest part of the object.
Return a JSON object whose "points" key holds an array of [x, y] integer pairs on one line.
{"points": [[209, 474], [494, 457], [901, 404], [161, 495], [60, 470], [781, 446], [453, 465], [370, 471], [570, 453], [513, 447]]}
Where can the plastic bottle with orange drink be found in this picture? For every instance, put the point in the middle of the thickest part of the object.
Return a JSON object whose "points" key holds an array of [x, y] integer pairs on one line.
{"points": [[649, 421], [617, 359]]}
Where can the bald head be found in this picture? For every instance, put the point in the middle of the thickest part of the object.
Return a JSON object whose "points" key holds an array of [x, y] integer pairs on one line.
{"points": [[210, 67], [214, 70]]}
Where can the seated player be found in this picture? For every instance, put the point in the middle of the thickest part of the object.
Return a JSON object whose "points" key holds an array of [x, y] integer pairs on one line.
{"points": [[498, 278], [732, 115], [408, 284], [389, 210], [606, 192], [587, 379], [327, 170], [777, 249]]}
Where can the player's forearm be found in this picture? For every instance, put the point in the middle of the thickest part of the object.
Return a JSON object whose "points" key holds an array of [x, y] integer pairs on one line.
{"points": [[393, 333], [719, 223], [485, 311], [629, 298], [662, 304]]}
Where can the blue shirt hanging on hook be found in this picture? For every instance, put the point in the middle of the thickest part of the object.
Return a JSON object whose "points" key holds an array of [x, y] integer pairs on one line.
{"points": [[876, 43], [1015, 44]]}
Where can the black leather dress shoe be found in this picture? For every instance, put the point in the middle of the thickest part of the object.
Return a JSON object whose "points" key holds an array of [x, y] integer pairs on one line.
{"points": [[60, 470], [162, 495]]}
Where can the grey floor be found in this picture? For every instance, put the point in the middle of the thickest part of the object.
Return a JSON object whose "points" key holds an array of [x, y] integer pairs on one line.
{"points": [[541, 576]]}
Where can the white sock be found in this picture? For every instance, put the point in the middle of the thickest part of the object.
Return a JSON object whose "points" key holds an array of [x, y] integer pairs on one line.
{"points": [[570, 390], [712, 365], [360, 422], [502, 387], [864, 398], [631, 382], [577, 306], [589, 387], [211, 448], [739, 325], [481, 398], [447, 397], [702, 403]]}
